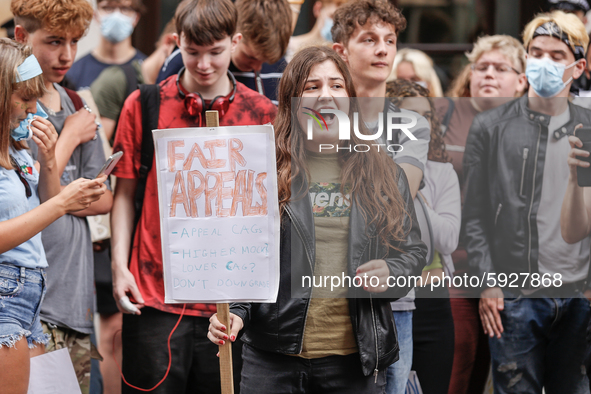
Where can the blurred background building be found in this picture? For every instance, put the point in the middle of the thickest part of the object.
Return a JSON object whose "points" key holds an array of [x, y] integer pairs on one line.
{"points": [[444, 29]]}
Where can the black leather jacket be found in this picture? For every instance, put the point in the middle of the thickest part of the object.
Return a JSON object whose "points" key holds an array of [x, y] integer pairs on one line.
{"points": [[503, 172], [279, 327]]}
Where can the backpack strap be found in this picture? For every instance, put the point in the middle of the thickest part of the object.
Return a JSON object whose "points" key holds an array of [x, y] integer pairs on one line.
{"points": [[150, 101], [131, 78], [76, 100]]}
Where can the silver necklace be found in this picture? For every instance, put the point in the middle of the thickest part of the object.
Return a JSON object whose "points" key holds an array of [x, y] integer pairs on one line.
{"points": [[50, 111]]}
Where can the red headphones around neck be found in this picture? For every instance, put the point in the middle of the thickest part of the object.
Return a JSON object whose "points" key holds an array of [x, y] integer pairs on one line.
{"points": [[195, 105]]}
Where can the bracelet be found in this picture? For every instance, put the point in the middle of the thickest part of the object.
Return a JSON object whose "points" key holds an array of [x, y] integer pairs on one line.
{"points": [[296, 2]]}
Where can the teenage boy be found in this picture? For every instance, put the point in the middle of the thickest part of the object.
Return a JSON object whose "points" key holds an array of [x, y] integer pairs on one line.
{"points": [[516, 177], [206, 38], [257, 62], [117, 18], [365, 34], [52, 28]]}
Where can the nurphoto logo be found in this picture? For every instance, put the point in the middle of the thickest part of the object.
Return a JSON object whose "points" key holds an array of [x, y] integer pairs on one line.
{"points": [[345, 128]]}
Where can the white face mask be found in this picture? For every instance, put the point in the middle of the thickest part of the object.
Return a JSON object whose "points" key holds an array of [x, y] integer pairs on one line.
{"points": [[545, 76], [116, 27]]}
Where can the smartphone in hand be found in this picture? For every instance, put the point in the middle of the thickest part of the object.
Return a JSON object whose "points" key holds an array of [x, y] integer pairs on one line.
{"points": [[110, 164], [584, 173]]}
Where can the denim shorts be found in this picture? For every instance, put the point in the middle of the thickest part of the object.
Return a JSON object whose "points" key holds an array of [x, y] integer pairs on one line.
{"points": [[21, 293]]}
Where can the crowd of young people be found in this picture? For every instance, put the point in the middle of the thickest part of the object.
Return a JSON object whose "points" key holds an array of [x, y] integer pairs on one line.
{"points": [[496, 163]]}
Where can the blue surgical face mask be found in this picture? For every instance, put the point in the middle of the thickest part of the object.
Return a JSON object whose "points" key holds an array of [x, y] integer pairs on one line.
{"points": [[325, 31], [545, 76], [23, 131], [116, 27]]}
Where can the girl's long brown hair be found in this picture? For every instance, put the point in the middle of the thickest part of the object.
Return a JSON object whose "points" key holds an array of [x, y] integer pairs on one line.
{"points": [[370, 176], [12, 55]]}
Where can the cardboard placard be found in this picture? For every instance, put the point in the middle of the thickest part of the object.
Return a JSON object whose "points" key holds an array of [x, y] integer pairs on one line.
{"points": [[53, 373], [219, 213]]}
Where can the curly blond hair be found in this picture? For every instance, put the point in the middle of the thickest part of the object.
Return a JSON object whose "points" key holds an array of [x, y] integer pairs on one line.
{"points": [[57, 16]]}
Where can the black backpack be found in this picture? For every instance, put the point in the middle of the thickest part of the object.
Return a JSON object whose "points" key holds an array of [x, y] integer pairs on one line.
{"points": [[150, 101]]}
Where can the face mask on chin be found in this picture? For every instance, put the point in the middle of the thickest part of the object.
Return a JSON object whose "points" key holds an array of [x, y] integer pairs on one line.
{"points": [[23, 131], [116, 27], [545, 76]]}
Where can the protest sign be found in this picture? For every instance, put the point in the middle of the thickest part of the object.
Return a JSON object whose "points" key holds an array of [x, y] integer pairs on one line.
{"points": [[219, 214], [53, 373]]}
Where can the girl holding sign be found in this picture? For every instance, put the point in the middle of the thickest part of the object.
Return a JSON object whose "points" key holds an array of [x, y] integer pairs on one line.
{"points": [[348, 222], [22, 217]]}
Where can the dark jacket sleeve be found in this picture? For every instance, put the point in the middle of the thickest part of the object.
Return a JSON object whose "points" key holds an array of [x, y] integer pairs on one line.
{"points": [[242, 310], [476, 215], [412, 259]]}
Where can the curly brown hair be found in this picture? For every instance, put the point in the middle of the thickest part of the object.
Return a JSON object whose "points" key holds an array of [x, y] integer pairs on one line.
{"points": [[381, 203], [398, 90], [357, 13], [57, 16]]}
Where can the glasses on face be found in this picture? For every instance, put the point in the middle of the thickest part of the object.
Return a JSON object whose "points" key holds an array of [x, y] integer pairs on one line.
{"points": [[109, 9], [18, 170], [500, 68]]}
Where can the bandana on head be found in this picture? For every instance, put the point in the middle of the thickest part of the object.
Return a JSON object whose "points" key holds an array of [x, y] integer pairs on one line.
{"points": [[28, 69], [551, 29], [569, 5]]}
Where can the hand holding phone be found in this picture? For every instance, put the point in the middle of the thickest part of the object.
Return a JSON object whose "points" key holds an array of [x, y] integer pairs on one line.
{"points": [[584, 173], [110, 164]]}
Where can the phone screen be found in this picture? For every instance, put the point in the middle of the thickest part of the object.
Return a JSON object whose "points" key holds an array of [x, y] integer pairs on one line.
{"points": [[110, 164]]}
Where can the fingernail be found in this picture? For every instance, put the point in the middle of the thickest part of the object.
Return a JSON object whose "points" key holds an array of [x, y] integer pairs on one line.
{"points": [[221, 342], [225, 337], [223, 328], [232, 338]]}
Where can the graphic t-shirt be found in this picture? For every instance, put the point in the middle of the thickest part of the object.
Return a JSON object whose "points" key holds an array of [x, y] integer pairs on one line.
{"points": [[14, 202], [328, 330], [248, 108]]}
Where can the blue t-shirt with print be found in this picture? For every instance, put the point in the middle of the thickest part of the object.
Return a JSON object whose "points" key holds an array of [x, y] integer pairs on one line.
{"points": [[14, 202]]}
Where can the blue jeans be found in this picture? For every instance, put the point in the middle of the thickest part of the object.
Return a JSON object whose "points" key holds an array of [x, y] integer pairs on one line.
{"points": [[543, 346], [399, 371], [21, 293], [269, 373]]}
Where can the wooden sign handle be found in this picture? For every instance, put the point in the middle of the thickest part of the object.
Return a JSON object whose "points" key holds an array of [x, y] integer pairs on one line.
{"points": [[226, 373]]}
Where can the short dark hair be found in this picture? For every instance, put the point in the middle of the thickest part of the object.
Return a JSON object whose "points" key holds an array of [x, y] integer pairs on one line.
{"points": [[204, 22], [136, 5], [266, 25], [357, 13]]}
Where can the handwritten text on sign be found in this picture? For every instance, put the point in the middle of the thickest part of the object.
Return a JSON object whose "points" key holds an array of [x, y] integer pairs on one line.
{"points": [[218, 221]]}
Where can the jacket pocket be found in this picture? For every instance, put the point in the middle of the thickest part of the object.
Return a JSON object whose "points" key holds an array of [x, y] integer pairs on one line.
{"points": [[524, 156]]}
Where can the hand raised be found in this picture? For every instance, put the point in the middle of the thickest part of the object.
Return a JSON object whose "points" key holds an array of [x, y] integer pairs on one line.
{"points": [[81, 125]]}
